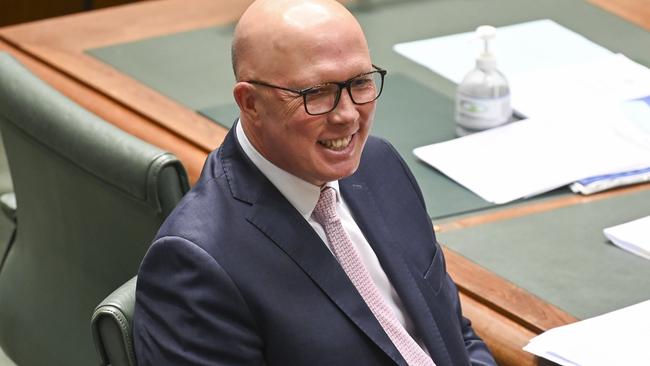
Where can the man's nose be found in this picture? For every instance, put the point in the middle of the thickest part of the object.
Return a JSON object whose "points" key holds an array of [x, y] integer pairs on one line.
{"points": [[345, 111]]}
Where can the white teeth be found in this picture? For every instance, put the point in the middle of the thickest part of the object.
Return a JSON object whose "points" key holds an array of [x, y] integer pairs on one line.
{"points": [[337, 144]]}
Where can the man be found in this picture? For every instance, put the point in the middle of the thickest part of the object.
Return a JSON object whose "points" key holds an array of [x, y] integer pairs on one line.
{"points": [[304, 242]]}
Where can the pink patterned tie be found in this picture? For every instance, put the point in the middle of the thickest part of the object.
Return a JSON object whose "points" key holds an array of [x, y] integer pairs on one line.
{"points": [[344, 251]]}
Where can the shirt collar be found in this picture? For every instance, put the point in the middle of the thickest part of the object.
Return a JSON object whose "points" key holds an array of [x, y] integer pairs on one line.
{"points": [[301, 194]]}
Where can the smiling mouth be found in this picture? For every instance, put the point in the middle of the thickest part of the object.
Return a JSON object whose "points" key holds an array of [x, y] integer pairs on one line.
{"points": [[336, 144]]}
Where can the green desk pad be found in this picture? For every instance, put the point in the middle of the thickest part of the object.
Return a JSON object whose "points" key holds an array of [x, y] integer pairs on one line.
{"points": [[194, 69], [562, 256]]}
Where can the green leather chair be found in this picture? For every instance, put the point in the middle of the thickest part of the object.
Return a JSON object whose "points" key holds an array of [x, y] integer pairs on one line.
{"points": [[112, 327], [7, 206], [7, 223], [90, 198]]}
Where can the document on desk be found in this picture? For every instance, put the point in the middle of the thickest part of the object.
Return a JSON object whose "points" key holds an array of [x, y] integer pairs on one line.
{"points": [[520, 48], [604, 182], [536, 155], [633, 236], [617, 338], [575, 87]]}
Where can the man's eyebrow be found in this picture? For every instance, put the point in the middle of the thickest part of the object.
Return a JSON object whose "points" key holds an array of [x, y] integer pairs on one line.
{"points": [[336, 82]]}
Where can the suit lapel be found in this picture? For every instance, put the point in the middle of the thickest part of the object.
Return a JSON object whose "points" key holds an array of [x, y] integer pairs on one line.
{"points": [[406, 279], [272, 214]]}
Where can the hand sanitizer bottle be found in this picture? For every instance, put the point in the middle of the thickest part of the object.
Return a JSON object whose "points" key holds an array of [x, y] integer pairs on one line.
{"points": [[483, 97]]}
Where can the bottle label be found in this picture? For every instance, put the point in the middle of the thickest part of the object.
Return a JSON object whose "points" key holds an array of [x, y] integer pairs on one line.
{"points": [[482, 113]]}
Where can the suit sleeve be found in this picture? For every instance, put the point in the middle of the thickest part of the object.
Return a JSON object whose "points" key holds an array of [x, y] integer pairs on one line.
{"points": [[479, 354], [189, 311], [477, 350]]}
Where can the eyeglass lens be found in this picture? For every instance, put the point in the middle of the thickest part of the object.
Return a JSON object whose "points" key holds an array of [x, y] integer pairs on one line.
{"points": [[363, 89]]}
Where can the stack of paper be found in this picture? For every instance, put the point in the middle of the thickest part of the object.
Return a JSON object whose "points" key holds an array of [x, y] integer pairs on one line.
{"points": [[637, 113], [540, 154], [603, 182], [612, 79], [617, 338], [633, 236]]}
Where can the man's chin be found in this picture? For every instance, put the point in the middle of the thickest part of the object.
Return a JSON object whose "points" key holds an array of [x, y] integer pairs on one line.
{"points": [[339, 172]]}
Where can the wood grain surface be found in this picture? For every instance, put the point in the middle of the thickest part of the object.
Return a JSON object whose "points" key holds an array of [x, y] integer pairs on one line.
{"points": [[634, 11]]}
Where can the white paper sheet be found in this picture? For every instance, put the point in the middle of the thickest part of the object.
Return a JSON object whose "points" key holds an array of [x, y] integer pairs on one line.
{"points": [[582, 128], [621, 337], [550, 92], [539, 154], [633, 236], [519, 48]]}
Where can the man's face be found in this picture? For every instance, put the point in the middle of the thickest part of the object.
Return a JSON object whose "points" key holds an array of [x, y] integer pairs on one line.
{"points": [[318, 148]]}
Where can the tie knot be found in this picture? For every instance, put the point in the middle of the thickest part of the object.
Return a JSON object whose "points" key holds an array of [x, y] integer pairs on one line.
{"points": [[325, 210]]}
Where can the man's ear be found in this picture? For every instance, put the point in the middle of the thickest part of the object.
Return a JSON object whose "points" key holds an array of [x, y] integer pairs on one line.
{"points": [[247, 100]]}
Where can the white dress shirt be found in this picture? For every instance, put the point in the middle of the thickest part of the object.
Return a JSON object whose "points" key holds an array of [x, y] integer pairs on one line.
{"points": [[304, 196]]}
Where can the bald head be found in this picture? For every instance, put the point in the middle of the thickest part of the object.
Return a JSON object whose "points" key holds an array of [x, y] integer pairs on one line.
{"points": [[273, 33], [283, 46]]}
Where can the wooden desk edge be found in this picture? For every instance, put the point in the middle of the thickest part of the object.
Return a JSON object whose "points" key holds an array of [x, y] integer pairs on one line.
{"points": [[530, 208], [634, 11], [504, 297], [504, 315]]}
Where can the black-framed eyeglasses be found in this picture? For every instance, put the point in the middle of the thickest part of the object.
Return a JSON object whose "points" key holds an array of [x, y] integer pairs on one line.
{"points": [[323, 98]]}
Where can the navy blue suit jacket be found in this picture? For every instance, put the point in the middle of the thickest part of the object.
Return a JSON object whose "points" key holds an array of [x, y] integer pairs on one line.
{"points": [[236, 276]]}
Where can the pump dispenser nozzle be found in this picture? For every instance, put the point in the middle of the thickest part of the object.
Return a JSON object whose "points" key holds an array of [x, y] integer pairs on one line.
{"points": [[486, 59]]}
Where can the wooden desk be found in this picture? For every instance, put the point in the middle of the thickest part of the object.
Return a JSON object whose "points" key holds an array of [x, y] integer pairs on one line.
{"points": [[505, 315], [635, 11]]}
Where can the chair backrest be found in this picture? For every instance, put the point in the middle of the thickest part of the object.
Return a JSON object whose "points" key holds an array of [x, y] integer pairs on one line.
{"points": [[112, 327], [90, 198], [7, 219]]}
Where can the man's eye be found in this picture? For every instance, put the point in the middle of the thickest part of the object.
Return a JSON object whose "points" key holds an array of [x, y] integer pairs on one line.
{"points": [[315, 91], [361, 82], [319, 91]]}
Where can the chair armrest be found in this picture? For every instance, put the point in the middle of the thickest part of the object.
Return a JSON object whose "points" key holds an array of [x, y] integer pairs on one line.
{"points": [[112, 326], [8, 205]]}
